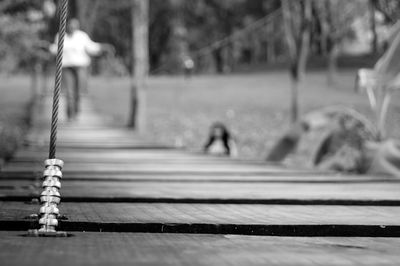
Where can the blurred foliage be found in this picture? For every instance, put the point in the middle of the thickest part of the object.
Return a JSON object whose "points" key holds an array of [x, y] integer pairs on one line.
{"points": [[177, 28], [11, 137], [173, 24], [15, 107], [21, 28], [390, 8]]}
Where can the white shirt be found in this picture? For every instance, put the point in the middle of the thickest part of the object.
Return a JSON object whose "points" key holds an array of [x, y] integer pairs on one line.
{"points": [[78, 47]]}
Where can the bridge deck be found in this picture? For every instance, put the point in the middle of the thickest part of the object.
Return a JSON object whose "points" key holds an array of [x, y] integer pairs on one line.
{"points": [[128, 200]]}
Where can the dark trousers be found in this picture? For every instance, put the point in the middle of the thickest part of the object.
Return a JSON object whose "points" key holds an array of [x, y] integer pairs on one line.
{"points": [[73, 82]]}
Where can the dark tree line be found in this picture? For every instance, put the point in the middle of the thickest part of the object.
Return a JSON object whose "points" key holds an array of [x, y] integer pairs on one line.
{"points": [[178, 28], [390, 8]]}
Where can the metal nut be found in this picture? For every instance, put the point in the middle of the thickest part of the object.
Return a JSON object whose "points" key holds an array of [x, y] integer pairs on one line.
{"points": [[50, 199], [52, 172], [48, 221], [50, 191], [49, 209], [54, 162], [52, 181], [47, 230]]}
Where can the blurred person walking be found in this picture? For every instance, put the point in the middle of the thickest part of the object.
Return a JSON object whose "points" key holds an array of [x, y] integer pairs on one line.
{"points": [[78, 47]]}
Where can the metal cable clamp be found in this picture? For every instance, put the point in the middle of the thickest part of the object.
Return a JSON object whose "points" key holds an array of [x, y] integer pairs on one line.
{"points": [[49, 199]]}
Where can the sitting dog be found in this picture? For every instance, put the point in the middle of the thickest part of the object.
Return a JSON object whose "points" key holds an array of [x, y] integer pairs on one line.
{"points": [[220, 141]]}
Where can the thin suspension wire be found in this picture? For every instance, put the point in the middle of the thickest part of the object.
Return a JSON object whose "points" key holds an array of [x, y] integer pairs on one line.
{"points": [[62, 12]]}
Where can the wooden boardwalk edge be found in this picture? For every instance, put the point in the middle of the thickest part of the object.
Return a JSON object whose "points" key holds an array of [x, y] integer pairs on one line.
{"points": [[246, 201], [302, 230]]}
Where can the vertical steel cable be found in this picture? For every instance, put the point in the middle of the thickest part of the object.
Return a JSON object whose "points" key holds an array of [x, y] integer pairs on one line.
{"points": [[50, 197], [62, 13]]}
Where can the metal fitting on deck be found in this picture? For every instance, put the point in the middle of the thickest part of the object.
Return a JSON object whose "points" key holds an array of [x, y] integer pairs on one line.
{"points": [[50, 198]]}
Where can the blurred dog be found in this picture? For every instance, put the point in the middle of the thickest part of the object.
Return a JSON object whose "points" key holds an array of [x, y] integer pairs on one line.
{"points": [[220, 141]]}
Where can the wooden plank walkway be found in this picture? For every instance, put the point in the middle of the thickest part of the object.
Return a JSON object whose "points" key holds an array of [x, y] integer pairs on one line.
{"points": [[128, 200], [190, 249], [239, 192]]}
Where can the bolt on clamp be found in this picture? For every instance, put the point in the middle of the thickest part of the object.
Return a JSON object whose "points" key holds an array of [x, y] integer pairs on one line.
{"points": [[49, 199]]}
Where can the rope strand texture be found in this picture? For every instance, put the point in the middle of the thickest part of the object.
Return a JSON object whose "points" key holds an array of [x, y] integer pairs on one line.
{"points": [[63, 11]]}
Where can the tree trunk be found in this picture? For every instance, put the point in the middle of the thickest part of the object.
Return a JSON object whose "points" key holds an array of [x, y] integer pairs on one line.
{"points": [[36, 81], [324, 16], [86, 12], [289, 33], [332, 64], [140, 66], [374, 44], [294, 106], [81, 7], [298, 43], [271, 54], [178, 40], [219, 60], [332, 41], [382, 113], [305, 39], [230, 60]]}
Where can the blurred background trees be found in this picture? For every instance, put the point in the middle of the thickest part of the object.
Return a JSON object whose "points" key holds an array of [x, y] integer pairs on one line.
{"points": [[177, 28], [389, 8], [220, 36], [195, 28], [21, 28]]}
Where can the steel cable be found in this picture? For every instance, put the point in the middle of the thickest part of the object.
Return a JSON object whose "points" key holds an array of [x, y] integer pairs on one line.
{"points": [[62, 12]]}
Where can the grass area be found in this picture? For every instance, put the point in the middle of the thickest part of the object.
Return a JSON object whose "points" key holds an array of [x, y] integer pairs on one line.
{"points": [[254, 106], [179, 112], [15, 96]]}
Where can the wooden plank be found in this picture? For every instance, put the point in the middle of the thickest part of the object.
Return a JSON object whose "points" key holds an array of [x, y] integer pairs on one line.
{"points": [[84, 165], [214, 192], [133, 157], [76, 135], [292, 177], [85, 121], [213, 213], [182, 174], [183, 249], [104, 132], [89, 136], [126, 160], [185, 178], [227, 168], [283, 220], [70, 153], [100, 145]]}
